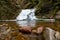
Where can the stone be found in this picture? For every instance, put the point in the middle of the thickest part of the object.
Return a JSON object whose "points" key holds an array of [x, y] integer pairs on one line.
{"points": [[57, 35], [49, 34], [25, 30], [40, 29], [34, 31]]}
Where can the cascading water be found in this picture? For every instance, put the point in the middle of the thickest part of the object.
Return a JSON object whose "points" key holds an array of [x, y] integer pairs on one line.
{"points": [[26, 14]]}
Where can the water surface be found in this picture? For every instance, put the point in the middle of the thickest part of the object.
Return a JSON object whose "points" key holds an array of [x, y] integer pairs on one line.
{"points": [[17, 24]]}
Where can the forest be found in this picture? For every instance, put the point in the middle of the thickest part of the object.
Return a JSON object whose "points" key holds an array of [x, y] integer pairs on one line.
{"points": [[9, 9]]}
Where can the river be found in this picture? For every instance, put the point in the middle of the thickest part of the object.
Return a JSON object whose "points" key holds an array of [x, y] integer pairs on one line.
{"points": [[15, 25]]}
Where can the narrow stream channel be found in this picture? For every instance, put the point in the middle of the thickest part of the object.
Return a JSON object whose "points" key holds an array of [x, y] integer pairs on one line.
{"points": [[16, 24]]}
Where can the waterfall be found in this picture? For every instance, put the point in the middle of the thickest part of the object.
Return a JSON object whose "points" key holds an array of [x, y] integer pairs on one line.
{"points": [[26, 14]]}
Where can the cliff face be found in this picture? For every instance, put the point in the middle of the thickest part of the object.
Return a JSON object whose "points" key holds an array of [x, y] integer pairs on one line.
{"points": [[9, 9]]}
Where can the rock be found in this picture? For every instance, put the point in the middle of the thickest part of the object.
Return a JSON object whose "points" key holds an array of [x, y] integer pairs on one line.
{"points": [[57, 35], [49, 34], [29, 30], [34, 31], [40, 29], [25, 30], [5, 31]]}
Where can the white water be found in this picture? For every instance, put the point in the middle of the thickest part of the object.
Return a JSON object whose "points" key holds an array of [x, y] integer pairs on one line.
{"points": [[26, 14], [28, 23]]}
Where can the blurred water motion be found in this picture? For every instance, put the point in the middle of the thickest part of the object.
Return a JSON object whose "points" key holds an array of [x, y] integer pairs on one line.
{"points": [[30, 23], [26, 14]]}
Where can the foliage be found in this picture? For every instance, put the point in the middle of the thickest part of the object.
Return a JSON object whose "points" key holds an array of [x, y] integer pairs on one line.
{"points": [[9, 9]]}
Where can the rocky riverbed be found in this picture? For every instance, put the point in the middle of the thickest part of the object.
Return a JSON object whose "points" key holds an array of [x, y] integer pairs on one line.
{"points": [[10, 31]]}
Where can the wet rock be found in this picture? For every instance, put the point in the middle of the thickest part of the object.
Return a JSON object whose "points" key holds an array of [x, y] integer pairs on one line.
{"points": [[25, 30], [5, 32], [29, 30], [4, 28], [34, 31], [51, 34], [57, 35], [40, 29]]}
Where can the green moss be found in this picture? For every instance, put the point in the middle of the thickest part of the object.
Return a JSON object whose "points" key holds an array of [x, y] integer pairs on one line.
{"points": [[8, 8]]}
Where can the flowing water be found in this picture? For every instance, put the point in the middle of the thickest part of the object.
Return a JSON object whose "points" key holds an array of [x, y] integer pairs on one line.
{"points": [[15, 25]]}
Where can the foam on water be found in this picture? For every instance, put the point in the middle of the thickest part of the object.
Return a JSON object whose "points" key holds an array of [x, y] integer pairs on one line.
{"points": [[26, 14]]}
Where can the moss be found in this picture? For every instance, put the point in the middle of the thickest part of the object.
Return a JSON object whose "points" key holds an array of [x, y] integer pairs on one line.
{"points": [[8, 8]]}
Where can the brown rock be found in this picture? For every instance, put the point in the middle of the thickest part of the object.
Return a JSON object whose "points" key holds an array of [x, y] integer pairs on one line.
{"points": [[34, 31], [40, 29], [25, 29]]}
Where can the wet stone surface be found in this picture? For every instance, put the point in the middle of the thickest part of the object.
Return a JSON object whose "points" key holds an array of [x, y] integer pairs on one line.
{"points": [[10, 31]]}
